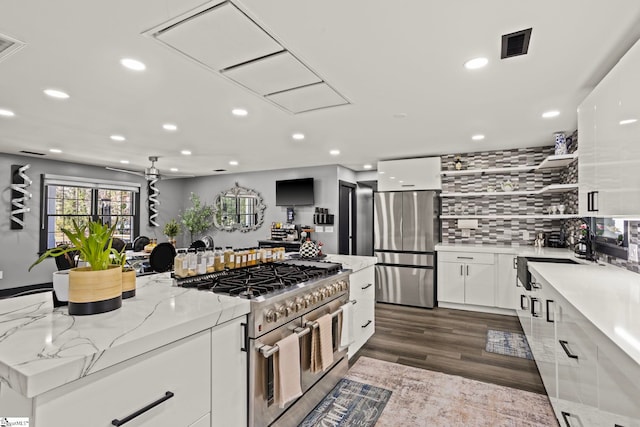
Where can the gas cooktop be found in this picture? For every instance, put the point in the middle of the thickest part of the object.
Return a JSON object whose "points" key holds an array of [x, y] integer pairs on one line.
{"points": [[262, 280]]}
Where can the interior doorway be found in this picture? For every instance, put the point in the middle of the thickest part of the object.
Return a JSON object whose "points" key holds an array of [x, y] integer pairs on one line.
{"points": [[347, 221]]}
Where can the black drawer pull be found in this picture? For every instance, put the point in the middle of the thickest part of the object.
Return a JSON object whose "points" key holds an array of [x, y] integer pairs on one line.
{"points": [[245, 338], [523, 298], [565, 347], [367, 287], [366, 324], [565, 417], [534, 300], [465, 257], [548, 311], [168, 395]]}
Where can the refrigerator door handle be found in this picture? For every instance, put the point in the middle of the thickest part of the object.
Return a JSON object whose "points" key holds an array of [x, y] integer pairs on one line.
{"points": [[461, 270]]}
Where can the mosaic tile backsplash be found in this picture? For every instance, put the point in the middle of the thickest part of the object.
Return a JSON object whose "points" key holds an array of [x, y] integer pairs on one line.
{"points": [[510, 231]]}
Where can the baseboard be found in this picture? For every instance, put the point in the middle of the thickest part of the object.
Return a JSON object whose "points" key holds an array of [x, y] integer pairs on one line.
{"points": [[25, 290], [478, 308]]}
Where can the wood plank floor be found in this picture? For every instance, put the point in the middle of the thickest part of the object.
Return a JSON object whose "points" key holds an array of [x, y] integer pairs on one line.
{"points": [[449, 341]]}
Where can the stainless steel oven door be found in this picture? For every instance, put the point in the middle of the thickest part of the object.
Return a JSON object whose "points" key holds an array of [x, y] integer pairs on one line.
{"points": [[263, 408], [309, 378]]}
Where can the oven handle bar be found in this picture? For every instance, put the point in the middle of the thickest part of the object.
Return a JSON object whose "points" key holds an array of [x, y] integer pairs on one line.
{"points": [[270, 350]]}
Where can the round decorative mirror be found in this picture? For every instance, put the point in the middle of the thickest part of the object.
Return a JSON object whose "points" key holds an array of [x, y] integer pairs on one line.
{"points": [[238, 208]]}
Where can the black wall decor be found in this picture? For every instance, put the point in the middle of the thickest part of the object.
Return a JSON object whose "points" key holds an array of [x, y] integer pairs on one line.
{"points": [[19, 195]]}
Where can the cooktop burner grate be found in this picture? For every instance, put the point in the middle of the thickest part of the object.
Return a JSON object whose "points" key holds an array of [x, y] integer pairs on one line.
{"points": [[251, 282]]}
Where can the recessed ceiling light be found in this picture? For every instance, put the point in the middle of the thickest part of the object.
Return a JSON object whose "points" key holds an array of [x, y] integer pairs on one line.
{"points": [[240, 112], [233, 162], [628, 121], [334, 152], [174, 169], [392, 177], [400, 116], [381, 172], [477, 137], [124, 162], [133, 64], [55, 150], [475, 63], [169, 127], [298, 136], [185, 152], [367, 166], [118, 138], [7, 113], [549, 114], [54, 93], [401, 181]]}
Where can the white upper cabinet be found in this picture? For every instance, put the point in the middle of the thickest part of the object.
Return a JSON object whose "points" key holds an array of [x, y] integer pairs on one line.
{"points": [[609, 134], [409, 174]]}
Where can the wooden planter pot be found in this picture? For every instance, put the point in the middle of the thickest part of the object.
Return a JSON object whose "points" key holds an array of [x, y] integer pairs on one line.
{"points": [[128, 283], [93, 292]]}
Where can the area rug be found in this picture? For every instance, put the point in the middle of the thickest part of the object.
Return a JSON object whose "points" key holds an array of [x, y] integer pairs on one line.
{"points": [[509, 343], [426, 398], [350, 403]]}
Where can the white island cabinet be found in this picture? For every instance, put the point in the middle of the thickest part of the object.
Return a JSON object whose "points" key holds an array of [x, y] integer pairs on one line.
{"points": [[169, 357], [362, 295]]}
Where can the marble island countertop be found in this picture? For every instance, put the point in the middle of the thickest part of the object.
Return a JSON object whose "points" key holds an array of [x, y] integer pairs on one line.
{"points": [[42, 347], [606, 295], [352, 262]]}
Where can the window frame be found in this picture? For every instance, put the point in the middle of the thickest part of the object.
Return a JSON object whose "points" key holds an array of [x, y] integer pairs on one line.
{"points": [[94, 185]]}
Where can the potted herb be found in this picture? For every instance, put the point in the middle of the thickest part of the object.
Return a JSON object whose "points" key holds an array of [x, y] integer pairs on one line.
{"points": [[198, 217], [96, 288], [128, 274], [171, 230]]}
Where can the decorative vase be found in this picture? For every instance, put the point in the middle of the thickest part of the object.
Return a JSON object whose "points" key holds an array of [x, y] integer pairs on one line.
{"points": [[561, 143], [308, 250], [128, 283], [93, 292]]}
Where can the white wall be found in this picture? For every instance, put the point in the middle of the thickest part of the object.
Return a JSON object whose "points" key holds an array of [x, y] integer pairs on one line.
{"points": [[19, 248]]}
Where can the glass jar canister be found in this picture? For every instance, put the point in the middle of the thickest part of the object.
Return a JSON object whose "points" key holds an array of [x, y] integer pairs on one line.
{"points": [[179, 264], [218, 259], [229, 258], [210, 260], [201, 261], [192, 262]]}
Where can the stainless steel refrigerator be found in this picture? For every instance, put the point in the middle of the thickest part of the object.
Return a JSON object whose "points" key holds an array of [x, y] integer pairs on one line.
{"points": [[406, 229]]}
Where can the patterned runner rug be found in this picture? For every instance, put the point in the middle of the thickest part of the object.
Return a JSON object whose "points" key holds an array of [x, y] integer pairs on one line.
{"points": [[350, 403], [426, 398], [509, 343]]}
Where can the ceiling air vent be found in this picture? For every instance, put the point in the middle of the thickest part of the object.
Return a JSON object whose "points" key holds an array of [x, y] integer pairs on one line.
{"points": [[515, 44], [33, 153], [8, 46]]}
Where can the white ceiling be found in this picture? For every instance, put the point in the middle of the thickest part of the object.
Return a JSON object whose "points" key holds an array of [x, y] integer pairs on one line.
{"points": [[388, 59]]}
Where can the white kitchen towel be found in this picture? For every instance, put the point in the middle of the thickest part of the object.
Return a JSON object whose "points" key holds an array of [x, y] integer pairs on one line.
{"points": [[287, 380], [346, 335]]}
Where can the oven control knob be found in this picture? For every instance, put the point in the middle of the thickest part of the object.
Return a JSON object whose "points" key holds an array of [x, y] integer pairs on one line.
{"points": [[331, 290], [270, 316], [317, 296], [343, 285], [281, 312], [308, 300], [337, 287], [299, 304], [290, 308]]}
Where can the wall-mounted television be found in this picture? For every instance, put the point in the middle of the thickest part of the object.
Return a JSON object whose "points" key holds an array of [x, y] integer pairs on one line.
{"points": [[294, 192]]}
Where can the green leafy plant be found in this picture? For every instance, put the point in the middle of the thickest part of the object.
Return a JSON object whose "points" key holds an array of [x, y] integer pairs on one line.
{"points": [[91, 240], [198, 217], [171, 228]]}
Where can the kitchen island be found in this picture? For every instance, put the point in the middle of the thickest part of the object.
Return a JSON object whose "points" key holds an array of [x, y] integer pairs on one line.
{"points": [[67, 370]]}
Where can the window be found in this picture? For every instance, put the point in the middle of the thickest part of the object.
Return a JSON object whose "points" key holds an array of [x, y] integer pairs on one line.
{"points": [[66, 199]]}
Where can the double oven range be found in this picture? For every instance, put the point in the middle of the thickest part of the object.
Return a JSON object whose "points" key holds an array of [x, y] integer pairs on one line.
{"points": [[286, 298]]}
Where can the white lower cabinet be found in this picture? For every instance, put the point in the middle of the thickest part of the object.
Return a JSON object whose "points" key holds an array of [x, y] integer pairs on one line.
{"points": [[590, 380], [205, 421], [506, 291], [362, 293], [467, 278], [175, 380], [229, 375]]}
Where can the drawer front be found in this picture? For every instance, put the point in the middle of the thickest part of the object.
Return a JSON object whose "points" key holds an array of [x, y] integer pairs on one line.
{"points": [[362, 284], [182, 368], [618, 376], [467, 257], [205, 421]]}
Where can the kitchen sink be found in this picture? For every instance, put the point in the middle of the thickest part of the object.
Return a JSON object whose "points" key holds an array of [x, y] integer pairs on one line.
{"points": [[554, 260]]}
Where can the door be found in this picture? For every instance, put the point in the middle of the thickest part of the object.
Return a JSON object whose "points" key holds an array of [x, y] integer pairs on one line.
{"points": [[418, 225], [451, 282], [479, 287], [387, 221], [347, 218]]}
